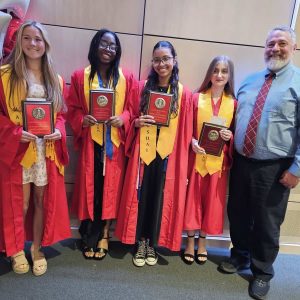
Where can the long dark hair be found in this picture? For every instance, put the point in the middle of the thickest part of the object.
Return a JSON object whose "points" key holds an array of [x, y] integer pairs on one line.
{"points": [[152, 81], [229, 86], [94, 59]]}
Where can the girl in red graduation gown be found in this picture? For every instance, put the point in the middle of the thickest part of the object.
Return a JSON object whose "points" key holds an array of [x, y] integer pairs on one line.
{"points": [[206, 195], [100, 172], [152, 204], [32, 190]]}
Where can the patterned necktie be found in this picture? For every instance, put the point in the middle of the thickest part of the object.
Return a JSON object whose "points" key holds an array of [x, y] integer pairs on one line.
{"points": [[250, 136]]}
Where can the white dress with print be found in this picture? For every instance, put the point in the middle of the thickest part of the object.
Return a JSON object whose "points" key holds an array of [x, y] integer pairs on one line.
{"points": [[37, 173]]}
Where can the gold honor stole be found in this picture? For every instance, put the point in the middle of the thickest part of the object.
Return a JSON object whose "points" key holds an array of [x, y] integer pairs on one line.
{"points": [[97, 130], [206, 163], [166, 139], [30, 156]]}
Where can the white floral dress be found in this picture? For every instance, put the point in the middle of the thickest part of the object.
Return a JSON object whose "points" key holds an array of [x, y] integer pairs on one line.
{"points": [[37, 173]]}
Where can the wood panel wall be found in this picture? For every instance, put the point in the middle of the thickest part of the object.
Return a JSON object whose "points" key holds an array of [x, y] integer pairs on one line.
{"points": [[199, 30]]}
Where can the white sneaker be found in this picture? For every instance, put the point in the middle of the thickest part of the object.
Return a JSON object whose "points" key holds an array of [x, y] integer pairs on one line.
{"points": [[151, 255], [139, 257]]}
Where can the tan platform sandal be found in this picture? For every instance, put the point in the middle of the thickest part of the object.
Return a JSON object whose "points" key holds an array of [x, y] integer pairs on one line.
{"points": [[19, 263], [39, 262]]}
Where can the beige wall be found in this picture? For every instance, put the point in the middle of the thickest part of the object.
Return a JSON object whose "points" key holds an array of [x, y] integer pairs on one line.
{"points": [[199, 30]]}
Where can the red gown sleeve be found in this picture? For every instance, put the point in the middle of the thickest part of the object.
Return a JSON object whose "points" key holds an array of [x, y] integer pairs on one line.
{"points": [[61, 145], [131, 84], [195, 99], [76, 108], [134, 111], [10, 135]]}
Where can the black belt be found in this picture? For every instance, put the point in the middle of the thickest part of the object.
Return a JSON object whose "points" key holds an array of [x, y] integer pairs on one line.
{"points": [[263, 160]]}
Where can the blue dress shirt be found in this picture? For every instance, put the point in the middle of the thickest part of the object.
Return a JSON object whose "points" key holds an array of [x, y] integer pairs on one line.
{"points": [[278, 133]]}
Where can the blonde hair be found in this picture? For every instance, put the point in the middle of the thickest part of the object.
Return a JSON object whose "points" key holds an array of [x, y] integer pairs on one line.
{"points": [[17, 62]]}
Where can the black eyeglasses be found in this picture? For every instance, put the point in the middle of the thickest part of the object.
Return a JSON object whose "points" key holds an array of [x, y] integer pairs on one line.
{"points": [[109, 47]]}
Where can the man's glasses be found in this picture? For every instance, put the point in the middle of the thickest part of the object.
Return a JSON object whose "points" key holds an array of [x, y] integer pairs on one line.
{"points": [[109, 47], [164, 60]]}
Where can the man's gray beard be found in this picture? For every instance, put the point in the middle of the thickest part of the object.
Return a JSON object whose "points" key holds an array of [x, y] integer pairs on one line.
{"points": [[274, 64]]}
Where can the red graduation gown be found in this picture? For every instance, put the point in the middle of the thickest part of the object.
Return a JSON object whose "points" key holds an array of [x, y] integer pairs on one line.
{"points": [[83, 195], [175, 183], [206, 196], [56, 216]]}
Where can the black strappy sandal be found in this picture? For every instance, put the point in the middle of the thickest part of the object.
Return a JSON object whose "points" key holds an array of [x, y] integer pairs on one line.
{"points": [[85, 250], [185, 256], [201, 255], [101, 250]]}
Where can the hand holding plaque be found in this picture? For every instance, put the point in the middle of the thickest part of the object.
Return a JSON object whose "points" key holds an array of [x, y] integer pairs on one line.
{"points": [[38, 117], [159, 106], [210, 138], [102, 104]]}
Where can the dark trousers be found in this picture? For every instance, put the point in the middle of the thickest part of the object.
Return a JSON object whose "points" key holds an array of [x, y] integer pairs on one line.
{"points": [[92, 231], [151, 201], [256, 208]]}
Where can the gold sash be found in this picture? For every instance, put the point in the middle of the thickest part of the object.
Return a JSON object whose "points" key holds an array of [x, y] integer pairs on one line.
{"points": [[30, 156], [97, 131], [166, 139], [206, 163]]}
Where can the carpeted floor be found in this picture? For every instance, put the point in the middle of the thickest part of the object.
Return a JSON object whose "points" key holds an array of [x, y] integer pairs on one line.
{"points": [[70, 276]]}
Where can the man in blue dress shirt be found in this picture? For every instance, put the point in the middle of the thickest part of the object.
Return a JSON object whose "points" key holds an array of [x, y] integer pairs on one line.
{"points": [[261, 182]]}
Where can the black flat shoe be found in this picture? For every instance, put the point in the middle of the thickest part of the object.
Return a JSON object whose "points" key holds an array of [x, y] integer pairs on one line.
{"points": [[233, 265], [258, 289]]}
